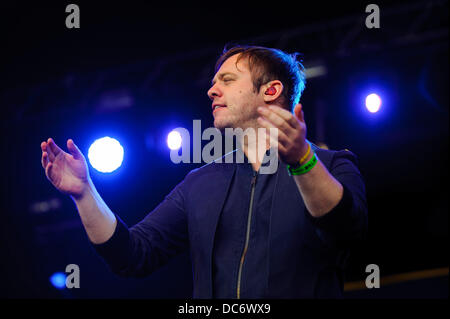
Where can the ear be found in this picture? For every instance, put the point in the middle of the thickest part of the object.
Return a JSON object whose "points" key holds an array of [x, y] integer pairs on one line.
{"points": [[271, 90]]}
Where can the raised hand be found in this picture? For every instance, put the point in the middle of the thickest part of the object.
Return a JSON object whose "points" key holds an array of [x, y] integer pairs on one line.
{"points": [[292, 143], [68, 172]]}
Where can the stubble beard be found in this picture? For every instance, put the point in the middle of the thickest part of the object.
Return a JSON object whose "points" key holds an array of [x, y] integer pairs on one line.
{"points": [[245, 117]]}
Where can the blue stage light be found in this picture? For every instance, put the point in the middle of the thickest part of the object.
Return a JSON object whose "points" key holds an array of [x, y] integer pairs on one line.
{"points": [[58, 280], [105, 154], [174, 140], [373, 103]]}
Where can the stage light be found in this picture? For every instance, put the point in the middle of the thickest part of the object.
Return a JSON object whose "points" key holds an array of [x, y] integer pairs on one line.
{"points": [[105, 154], [174, 140], [373, 103], [58, 280]]}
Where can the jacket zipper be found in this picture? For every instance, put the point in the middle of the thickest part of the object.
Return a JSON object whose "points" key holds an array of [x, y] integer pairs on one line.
{"points": [[247, 236]]}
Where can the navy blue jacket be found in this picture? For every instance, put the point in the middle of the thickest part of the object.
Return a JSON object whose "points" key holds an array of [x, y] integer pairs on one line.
{"points": [[306, 255]]}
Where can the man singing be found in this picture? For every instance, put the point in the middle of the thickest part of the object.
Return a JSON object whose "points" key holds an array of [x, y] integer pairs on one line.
{"points": [[250, 235]]}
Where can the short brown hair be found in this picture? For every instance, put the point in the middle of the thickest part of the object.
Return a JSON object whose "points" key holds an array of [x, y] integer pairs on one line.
{"points": [[267, 64]]}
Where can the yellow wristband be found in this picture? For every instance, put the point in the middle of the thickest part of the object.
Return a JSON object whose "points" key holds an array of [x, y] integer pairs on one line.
{"points": [[304, 157]]}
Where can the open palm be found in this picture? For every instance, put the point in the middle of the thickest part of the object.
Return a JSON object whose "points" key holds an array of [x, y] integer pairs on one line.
{"points": [[68, 172]]}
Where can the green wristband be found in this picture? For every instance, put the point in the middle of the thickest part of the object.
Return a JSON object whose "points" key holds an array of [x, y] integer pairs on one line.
{"points": [[305, 168]]}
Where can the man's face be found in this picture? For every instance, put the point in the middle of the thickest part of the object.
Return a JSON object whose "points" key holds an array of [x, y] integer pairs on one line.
{"points": [[233, 90]]}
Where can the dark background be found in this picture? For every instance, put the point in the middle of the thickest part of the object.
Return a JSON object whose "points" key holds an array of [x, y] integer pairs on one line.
{"points": [[136, 70]]}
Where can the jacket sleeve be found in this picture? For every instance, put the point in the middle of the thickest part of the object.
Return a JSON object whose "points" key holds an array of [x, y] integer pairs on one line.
{"points": [[347, 222], [139, 250]]}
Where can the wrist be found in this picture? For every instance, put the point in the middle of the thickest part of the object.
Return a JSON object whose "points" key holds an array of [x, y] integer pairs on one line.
{"points": [[86, 190], [309, 156], [306, 155], [304, 168]]}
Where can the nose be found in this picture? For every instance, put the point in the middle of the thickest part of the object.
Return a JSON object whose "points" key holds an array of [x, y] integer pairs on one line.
{"points": [[214, 92]]}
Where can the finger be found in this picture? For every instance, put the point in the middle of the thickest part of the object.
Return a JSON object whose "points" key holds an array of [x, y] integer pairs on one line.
{"points": [[48, 169], [46, 148], [277, 120], [281, 149], [276, 144], [44, 160], [282, 137], [272, 140], [285, 114], [53, 147], [74, 150], [44, 153]]}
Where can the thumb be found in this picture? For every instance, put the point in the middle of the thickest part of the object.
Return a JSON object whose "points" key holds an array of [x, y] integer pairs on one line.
{"points": [[299, 112], [74, 150]]}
